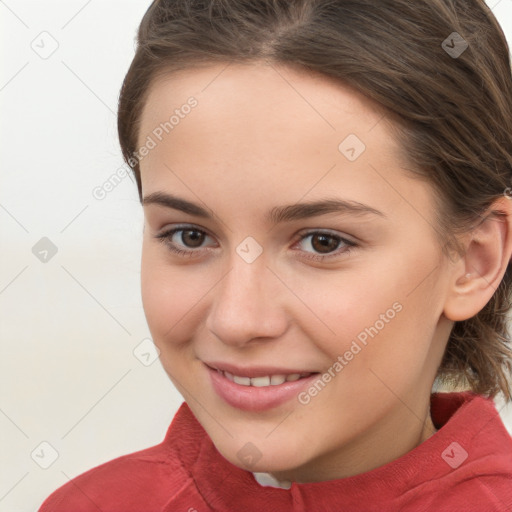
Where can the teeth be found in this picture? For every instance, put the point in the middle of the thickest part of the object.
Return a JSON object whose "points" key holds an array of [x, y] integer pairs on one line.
{"points": [[268, 380], [275, 380], [244, 381], [259, 382]]}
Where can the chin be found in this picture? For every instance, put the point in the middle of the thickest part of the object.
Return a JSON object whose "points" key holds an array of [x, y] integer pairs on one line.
{"points": [[254, 457]]}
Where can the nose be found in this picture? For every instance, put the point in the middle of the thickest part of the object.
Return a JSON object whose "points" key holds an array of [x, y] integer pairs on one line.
{"points": [[247, 304]]}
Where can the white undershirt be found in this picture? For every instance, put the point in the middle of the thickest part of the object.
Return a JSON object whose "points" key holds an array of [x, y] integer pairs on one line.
{"points": [[267, 480]]}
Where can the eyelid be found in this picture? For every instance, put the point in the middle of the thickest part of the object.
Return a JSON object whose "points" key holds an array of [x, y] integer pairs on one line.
{"points": [[327, 231]]}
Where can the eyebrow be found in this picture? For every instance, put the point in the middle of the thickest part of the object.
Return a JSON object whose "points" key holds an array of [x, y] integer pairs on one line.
{"points": [[277, 214]]}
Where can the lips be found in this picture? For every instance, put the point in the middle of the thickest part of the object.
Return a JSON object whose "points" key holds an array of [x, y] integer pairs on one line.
{"points": [[257, 388]]}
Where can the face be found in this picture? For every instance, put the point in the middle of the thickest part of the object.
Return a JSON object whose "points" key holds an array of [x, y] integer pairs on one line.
{"points": [[291, 274]]}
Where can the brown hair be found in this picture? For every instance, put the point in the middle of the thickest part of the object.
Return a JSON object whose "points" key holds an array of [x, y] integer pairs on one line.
{"points": [[453, 112]]}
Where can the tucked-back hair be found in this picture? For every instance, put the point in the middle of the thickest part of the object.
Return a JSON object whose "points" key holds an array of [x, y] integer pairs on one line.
{"points": [[452, 112]]}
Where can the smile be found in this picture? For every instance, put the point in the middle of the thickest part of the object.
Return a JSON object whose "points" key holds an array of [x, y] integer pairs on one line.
{"points": [[256, 391]]}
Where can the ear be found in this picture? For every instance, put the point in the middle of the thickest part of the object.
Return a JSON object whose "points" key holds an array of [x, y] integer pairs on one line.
{"points": [[488, 249]]}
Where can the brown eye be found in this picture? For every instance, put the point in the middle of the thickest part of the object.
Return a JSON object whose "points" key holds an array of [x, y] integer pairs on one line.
{"points": [[185, 241], [192, 237], [323, 243]]}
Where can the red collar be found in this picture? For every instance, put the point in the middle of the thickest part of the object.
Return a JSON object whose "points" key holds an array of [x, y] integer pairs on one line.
{"points": [[457, 416]]}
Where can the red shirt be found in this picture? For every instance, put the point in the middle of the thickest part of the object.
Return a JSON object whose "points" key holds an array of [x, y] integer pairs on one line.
{"points": [[464, 467]]}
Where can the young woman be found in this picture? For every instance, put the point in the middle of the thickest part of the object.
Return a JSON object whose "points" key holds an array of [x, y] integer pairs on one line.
{"points": [[327, 239]]}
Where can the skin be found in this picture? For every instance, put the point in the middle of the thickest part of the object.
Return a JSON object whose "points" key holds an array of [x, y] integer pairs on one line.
{"points": [[262, 136]]}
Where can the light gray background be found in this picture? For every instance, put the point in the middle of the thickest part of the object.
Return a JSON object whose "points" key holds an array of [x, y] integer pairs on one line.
{"points": [[69, 326]]}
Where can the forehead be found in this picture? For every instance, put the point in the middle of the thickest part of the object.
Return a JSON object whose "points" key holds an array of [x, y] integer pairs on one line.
{"points": [[272, 95], [265, 129]]}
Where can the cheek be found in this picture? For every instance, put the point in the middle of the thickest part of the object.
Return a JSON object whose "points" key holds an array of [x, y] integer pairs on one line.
{"points": [[349, 305], [168, 297], [379, 315]]}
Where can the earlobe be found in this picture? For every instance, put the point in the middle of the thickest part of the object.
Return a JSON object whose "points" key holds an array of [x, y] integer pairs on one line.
{"points": [[478, 273]]}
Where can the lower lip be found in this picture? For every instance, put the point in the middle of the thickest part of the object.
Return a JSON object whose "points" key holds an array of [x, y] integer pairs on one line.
{"points": [[252, 398]]}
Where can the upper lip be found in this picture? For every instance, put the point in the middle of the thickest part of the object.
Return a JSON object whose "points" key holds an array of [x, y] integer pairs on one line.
{"points": [[254, 371]]}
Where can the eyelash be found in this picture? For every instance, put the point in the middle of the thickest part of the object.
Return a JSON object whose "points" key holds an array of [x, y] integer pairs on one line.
{"points": [[166, 237]]}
